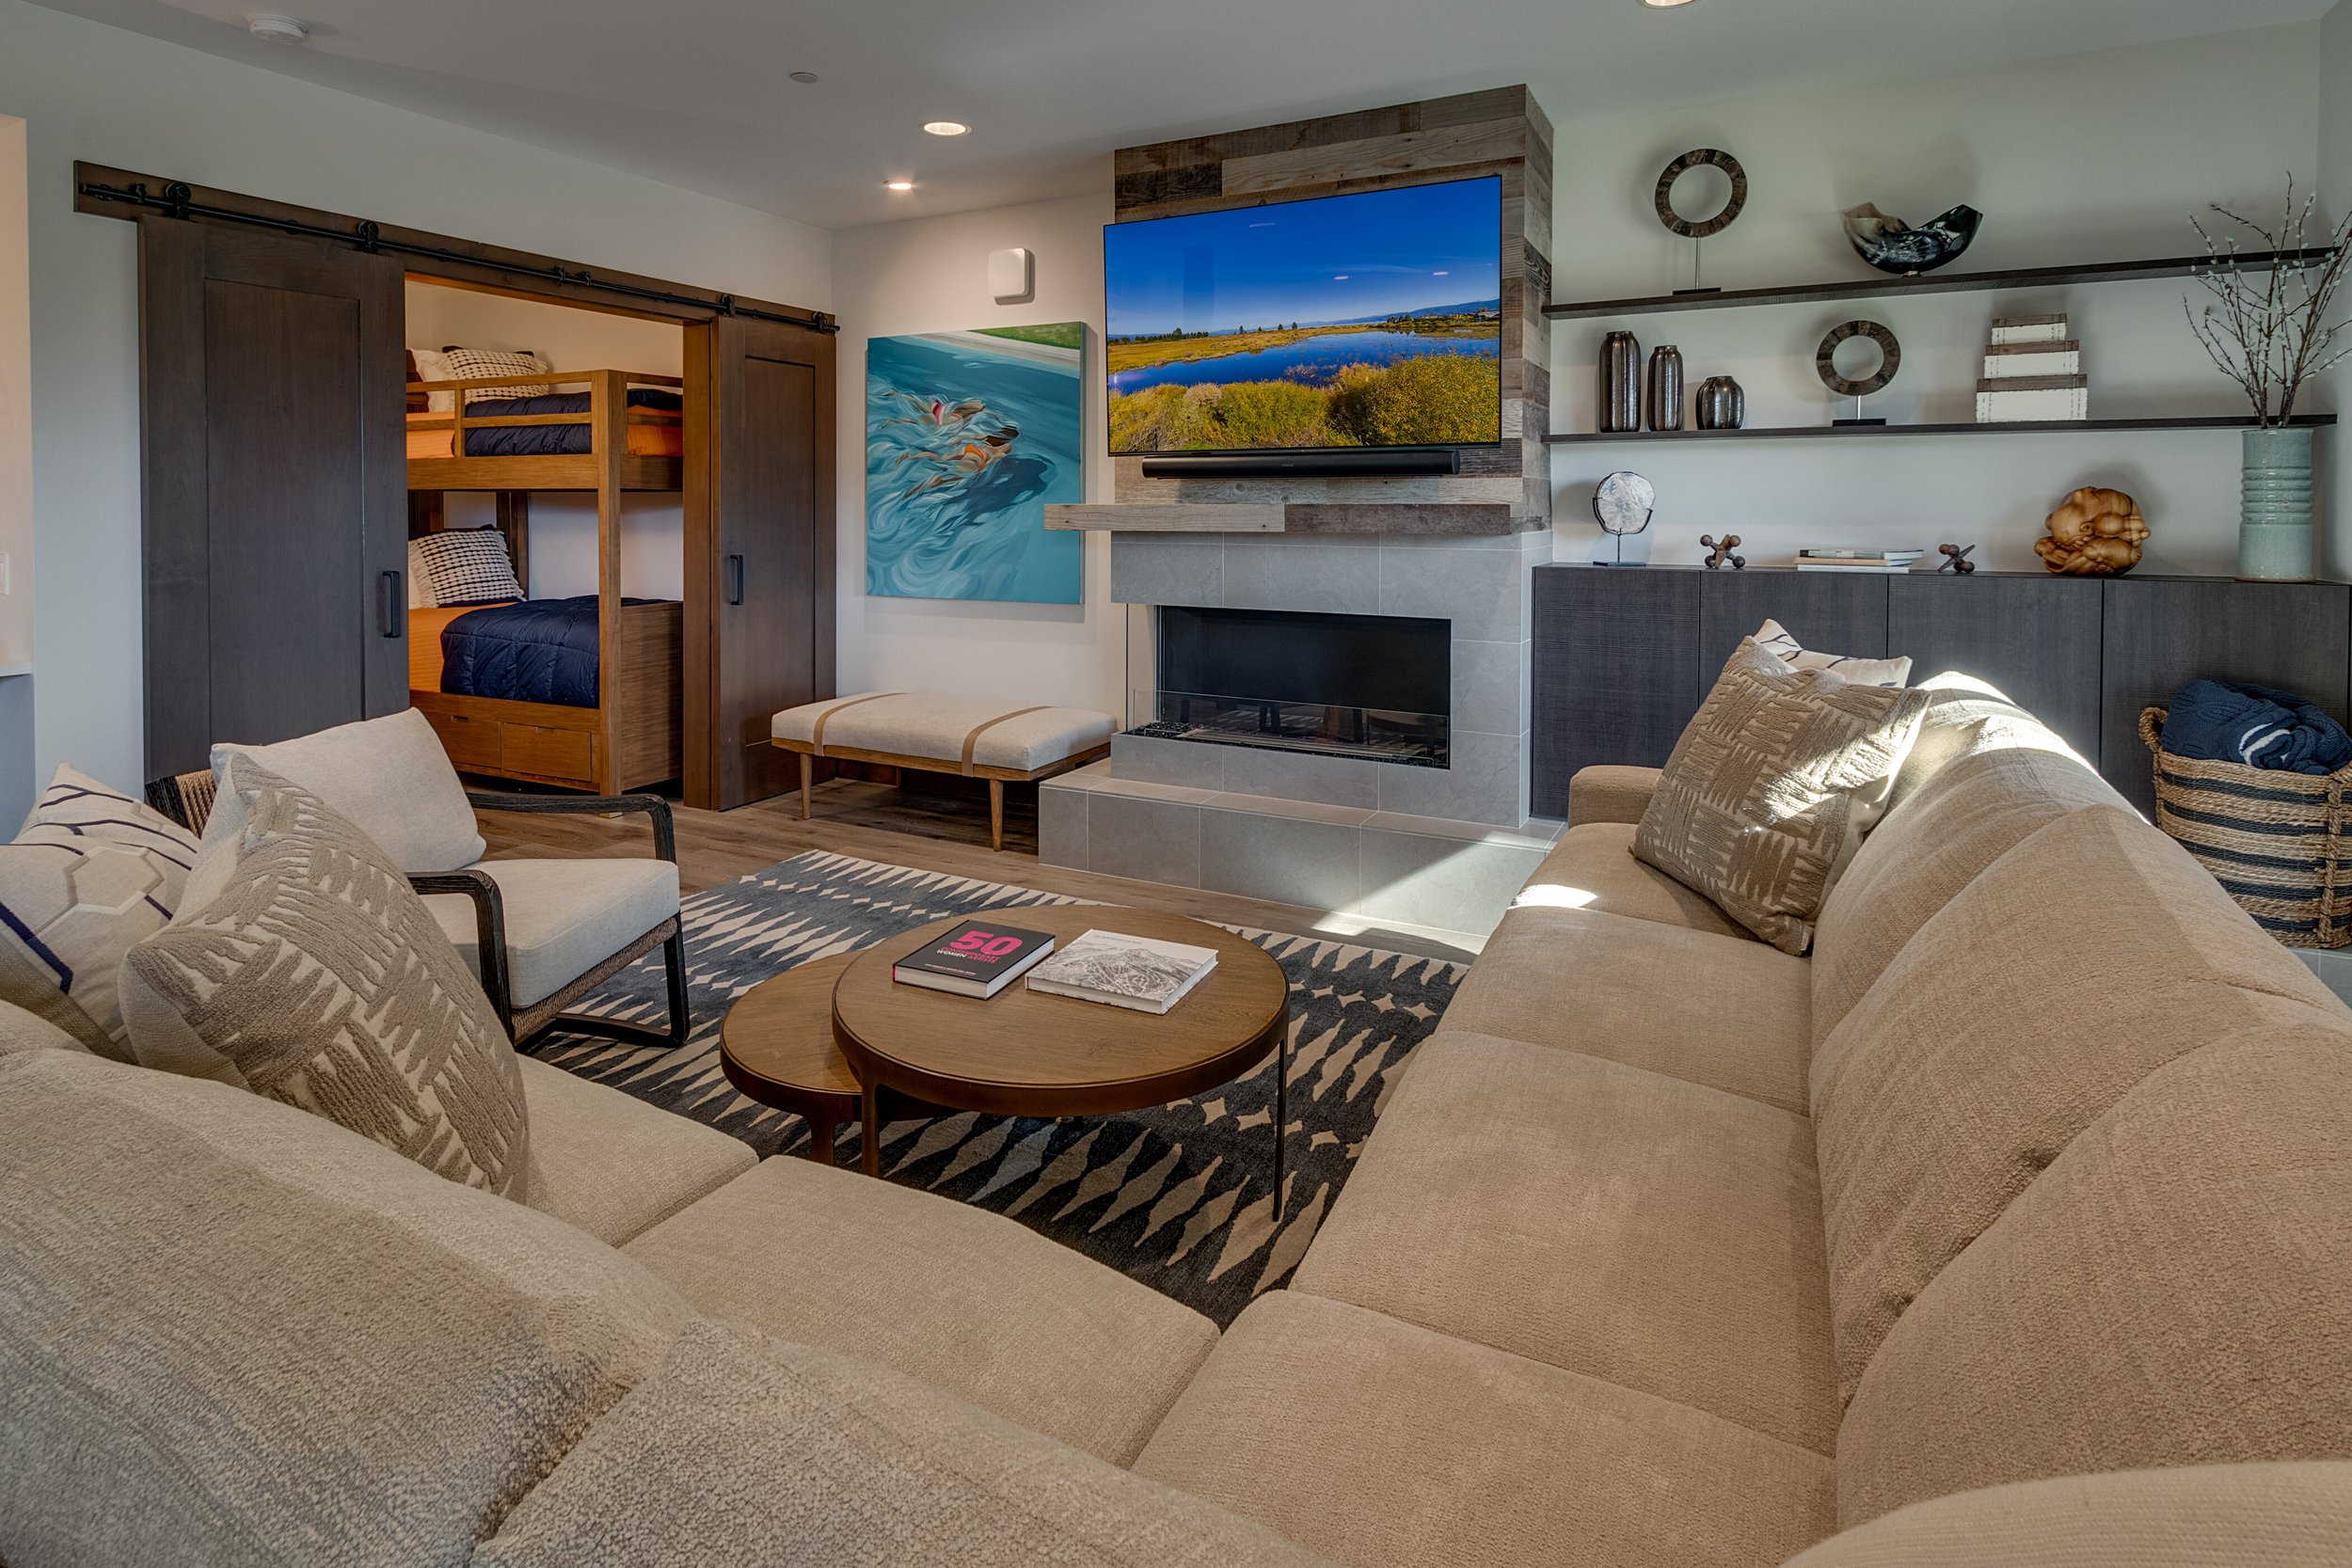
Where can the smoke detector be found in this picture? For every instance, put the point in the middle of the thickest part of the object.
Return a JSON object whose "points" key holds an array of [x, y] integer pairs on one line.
{"points": [[270, 28]]}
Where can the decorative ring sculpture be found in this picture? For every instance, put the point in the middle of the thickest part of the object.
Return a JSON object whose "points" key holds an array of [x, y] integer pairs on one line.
{"points": [[1712, 157], [1890, 361]]}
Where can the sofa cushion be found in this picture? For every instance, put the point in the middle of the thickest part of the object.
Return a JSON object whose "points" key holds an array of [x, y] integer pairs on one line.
{"points": [[318, 978], [389, 776], [22, 1029], [2176, 1289], [2200, 1516], [1383, 1444], [1607, 792], [563, 917], [1966, 715], [2090, 954], [1732, 1014], [231, 1332], [1770, 787], [1970, 814], [974, 1302], [1592, 867], [611, 1163], [1779, 641], [1600, 1218], [741, 1448], [91, 872]]}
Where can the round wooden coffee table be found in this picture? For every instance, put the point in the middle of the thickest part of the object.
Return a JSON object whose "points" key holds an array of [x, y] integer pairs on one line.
{"points": [[1026, 1053], [776, 1046]]}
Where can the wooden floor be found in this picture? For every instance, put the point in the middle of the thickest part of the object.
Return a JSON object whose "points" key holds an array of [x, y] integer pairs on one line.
{"points": [[933, 832]]}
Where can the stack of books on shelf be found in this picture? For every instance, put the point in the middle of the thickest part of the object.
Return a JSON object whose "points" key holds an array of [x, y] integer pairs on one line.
{"points": [[1844, 559], [2033, 372]]}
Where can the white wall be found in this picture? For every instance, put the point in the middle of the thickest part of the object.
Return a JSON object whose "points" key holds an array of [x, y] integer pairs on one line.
{"points": [[563, 523], [2080, 159], [93, 92], [2334, 502], [17, 783], [927, 274]]}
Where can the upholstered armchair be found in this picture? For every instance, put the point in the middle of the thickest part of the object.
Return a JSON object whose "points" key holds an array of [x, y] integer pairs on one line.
{"points": [[540, 933]]}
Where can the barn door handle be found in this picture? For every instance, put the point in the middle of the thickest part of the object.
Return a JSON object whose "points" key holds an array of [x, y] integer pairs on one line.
{"points": [[735, 579], [388, 605]]}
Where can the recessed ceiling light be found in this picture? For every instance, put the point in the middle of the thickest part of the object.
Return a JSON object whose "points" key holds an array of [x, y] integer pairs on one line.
{"points": [[945, 127], [898, 184], [276, 29], [1661, 5], [804, 77]]}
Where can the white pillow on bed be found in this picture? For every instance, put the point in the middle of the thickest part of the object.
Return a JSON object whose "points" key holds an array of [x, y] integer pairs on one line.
{"points": [[467, 565], [419, 578], [431, 366]]}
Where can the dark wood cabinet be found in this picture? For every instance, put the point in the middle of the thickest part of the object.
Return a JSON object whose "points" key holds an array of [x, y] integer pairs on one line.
{"points": [[1623, 656]]}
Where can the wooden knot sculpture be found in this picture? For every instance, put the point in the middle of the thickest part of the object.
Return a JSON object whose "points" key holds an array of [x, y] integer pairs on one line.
{"points": [[1956, 559], [1718, 554], [2094, 532]]}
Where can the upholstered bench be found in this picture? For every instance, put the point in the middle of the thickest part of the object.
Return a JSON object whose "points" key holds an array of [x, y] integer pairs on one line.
{"points": [[976, 737]]}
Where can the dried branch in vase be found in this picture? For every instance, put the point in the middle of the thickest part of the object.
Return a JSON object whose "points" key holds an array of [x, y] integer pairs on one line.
{"points": [[2267, 329]]}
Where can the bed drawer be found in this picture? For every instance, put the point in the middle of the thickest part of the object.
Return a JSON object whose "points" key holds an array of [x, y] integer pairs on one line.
{"points": [[549, 754], [471, 743]]}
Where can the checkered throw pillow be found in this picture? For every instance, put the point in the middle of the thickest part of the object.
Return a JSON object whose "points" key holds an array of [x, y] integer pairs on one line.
{"points": [[465, 362], [467, 565]]}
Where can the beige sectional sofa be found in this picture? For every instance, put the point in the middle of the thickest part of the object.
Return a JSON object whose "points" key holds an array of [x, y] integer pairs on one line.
{"points": [[2013, 1226]]}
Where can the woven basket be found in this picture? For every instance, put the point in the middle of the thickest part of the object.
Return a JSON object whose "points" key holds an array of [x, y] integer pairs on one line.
{"points": [[2274, 840]]}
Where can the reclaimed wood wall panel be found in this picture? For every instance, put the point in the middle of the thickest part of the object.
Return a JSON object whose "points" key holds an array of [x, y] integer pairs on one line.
{"points": [[1501, 132]]}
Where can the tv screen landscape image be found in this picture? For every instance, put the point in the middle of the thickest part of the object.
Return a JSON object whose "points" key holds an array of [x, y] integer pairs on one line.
{"points": [[1372, 320]]}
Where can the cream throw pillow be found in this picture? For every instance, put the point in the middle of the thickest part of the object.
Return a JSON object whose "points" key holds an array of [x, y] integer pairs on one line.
{"points": [[318, 977], [1779, 641], [1769, 791]]}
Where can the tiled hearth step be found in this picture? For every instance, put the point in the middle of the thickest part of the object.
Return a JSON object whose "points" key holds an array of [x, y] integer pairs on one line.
{"points": [[1424, 872]]}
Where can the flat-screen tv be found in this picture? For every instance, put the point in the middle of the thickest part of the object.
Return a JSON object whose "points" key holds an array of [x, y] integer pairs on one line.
{"points": [[1372, 320]]}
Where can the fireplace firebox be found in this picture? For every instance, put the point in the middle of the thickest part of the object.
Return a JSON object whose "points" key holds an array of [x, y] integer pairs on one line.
{"points": [[1376, 686]]}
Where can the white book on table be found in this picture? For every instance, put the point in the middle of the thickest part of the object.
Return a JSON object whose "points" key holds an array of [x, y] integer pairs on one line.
{"points": [[2033, 400], [2004, 361], [1123, 970]]}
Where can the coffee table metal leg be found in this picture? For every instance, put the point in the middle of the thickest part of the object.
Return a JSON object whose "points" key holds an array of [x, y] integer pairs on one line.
{"points": [[1282, 1109], [869, 1144]]}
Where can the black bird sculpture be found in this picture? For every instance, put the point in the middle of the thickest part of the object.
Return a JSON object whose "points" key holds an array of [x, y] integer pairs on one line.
{"points": [[1893, 246]]}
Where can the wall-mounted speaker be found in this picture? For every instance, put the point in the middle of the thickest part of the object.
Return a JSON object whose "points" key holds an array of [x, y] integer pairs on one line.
{"points": [[1012, 275]]}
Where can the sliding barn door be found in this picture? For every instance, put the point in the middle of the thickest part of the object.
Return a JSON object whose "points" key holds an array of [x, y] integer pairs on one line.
{"points": [[760, 557], [274, 488]]}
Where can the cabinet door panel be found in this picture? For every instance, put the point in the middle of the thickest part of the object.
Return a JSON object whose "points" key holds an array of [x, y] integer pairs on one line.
{"points": [[1835, 613], [2037, 639], [1617, 670]]}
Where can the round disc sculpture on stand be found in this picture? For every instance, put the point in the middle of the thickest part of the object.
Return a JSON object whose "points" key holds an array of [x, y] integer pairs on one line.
{"points": [[1696, 232], [1890, 361], [1622, 504]]}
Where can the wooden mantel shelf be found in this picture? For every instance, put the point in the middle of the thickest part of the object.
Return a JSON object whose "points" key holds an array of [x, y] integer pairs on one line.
{"points": [[1439, 520]]}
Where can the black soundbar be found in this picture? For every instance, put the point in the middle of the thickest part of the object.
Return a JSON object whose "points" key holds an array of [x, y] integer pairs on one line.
{"points": [[1400, 461]]}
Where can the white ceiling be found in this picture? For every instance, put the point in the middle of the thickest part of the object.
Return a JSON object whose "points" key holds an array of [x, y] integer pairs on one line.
{"points": [[695, 92]]}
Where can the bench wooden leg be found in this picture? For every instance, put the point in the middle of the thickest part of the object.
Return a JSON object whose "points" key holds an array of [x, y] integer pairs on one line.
{"points": [[808, 780], [996, 813]]}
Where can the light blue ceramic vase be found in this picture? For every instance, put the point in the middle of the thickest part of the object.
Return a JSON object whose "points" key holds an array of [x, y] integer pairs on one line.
{"points": [[2274, 535]]}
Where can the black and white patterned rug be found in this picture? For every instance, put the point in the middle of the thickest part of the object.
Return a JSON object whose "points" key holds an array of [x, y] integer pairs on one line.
{"points": [[1178, 1196]]}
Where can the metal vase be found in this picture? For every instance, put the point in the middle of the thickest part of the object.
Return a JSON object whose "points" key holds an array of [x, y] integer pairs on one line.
{"points": [[1665, 388], [1722, 403], [2274, 535], [1620, 383]]}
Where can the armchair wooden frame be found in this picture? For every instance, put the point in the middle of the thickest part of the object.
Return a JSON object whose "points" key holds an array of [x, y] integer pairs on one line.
{"points": [[178, 799]]}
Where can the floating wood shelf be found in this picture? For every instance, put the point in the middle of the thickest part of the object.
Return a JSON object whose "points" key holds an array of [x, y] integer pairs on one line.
{"points": [[1886, 286], [1433, 519], [2018, 427]]}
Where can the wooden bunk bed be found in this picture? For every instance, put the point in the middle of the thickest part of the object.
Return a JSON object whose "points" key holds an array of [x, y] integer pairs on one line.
{"points": [[634, 734]]}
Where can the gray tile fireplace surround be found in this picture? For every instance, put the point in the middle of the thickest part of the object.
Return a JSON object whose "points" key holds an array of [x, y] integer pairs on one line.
{"points": [[1438, 849]]}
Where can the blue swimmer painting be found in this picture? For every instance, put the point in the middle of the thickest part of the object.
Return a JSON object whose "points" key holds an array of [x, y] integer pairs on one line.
{"points": [[1369, 320], [969, 435]]}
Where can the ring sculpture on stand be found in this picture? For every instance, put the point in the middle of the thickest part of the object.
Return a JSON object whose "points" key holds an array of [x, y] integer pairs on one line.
{"points": [[1712, 158], [1890, 359]]}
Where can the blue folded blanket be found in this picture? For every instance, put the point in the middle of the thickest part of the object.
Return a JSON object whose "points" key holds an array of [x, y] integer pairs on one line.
{"points": [[2231, 722]]}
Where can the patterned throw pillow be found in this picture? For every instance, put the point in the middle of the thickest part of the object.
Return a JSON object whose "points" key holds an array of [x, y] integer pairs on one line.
{"points": [[319, 978], [463, 364], [92, 872], [1768, 793], [1774, 639], [467, 565]]}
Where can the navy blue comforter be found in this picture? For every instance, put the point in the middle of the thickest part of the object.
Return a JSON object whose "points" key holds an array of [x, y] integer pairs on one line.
{"points": [[550, 440], [538, 651]]}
